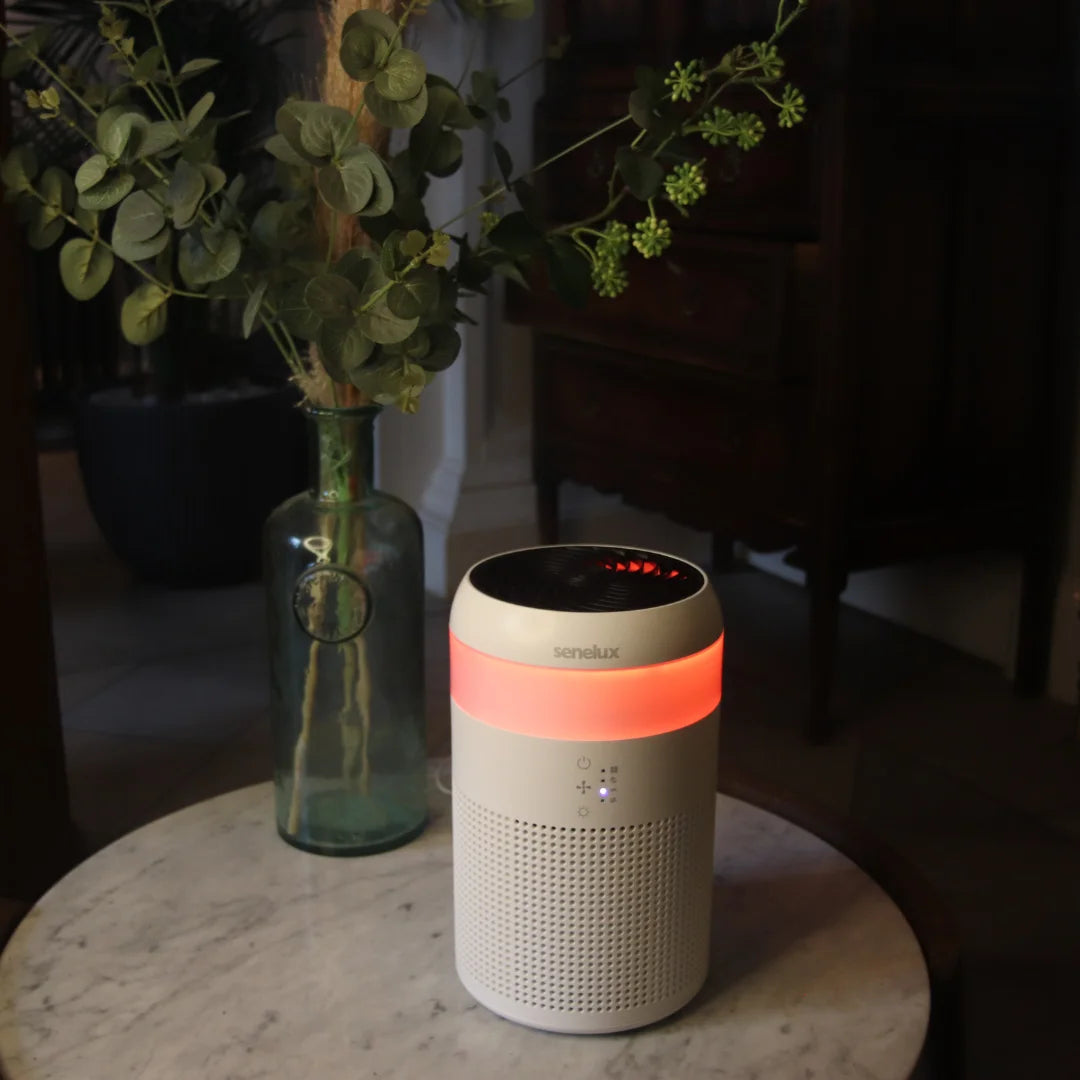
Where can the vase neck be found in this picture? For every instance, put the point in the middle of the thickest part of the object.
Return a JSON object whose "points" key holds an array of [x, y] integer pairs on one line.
{"points": [[342, 453]]}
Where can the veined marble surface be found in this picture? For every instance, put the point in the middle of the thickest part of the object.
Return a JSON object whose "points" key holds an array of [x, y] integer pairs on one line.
{"points": [[202, 947]]}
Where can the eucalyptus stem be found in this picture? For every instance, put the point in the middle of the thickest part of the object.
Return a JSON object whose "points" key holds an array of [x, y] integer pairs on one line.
{"points": [[404, 18], [156, 99], [522, 73], [54, 75], [151, 14], [502, 188]]}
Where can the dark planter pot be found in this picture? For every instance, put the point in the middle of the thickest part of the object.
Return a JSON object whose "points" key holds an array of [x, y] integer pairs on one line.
{"points": [[181, 489]]}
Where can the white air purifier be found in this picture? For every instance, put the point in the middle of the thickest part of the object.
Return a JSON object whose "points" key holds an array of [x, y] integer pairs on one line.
{"points": [[585, 694]]}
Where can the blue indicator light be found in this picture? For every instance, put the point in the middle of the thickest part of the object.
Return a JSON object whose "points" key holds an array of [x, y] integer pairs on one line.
{"points": [[603, 793]]}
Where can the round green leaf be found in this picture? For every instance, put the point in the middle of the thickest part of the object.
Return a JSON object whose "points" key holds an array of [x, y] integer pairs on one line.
{"points": [[343, 349], [346, 188], [398, 114], [384, 327], [208, 255], [184, 194], [91, 172], [284, 151], [140, 217], [116, 131], [289, 119], [157, 138], [445, 104], [356, 266], [144, 313], [58, 189], [444, 343], [363, 52], [413, 243], [19, 169], [381, 23], [643, 174], [85, 267], [297, 316], [46, 227], [327, 131], [402, 76], [416, 295], [516, 235], [331, 296], [140, 250], [106, 194], [215, 179], [569, 272], [485, 89], [382, 200], [413, 347]]}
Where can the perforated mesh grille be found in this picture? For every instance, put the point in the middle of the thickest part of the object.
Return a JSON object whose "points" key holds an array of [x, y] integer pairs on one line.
{"points": [[588, 919]]}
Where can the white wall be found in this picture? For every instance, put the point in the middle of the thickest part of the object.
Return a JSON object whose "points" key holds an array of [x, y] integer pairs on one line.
{"points": [[464, 461]]}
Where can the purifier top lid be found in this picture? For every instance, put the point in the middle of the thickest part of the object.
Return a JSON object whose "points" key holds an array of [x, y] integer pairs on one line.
{"points": [[585, 577], [586, 606]]}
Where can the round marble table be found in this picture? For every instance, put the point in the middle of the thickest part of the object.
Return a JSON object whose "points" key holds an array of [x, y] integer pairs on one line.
{"points": [[203, 946]]}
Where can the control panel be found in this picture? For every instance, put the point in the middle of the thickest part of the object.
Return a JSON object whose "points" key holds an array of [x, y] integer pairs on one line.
{"points": [[582, 784], [595, 785]]}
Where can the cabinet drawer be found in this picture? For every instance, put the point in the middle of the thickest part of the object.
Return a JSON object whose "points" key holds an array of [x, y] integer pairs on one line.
{"points": [[661, 432]]}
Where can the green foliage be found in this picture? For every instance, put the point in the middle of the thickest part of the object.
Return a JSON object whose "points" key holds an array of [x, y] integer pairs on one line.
{"points": [[569, 271], [383, 315], [642, 174], [18, 171], [85, 267], [652, 236], [686, 183], [144, 314]]}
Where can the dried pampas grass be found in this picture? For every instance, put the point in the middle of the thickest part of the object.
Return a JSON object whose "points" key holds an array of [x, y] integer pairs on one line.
{"points": [[336, 88]]}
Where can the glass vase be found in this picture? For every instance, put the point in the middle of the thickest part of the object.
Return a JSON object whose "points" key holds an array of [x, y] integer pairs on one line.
{"points": [[345, 590]]}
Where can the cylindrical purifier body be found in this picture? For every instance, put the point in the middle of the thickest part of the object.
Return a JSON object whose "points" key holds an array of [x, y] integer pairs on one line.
{"points": [[585, 693]]}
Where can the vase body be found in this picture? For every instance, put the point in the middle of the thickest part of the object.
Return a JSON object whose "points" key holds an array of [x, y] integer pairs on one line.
{"points": [[345, 595]]}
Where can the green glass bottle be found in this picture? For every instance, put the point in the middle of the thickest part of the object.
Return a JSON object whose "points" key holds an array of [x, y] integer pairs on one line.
{"points": [[344, 574]]}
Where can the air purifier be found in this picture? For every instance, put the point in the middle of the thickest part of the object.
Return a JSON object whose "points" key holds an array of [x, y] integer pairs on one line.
{"points": [[585, 694]]}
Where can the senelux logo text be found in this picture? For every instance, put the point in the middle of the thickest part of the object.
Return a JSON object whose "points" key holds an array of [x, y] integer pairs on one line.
{"points": [[591, 652]]}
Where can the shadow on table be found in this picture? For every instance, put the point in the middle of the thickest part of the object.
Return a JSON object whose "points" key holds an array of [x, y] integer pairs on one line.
{"points": [[763, 924]]}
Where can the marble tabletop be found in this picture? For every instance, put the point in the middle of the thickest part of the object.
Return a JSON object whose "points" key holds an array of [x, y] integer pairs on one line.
{"points": [[202, 946]]}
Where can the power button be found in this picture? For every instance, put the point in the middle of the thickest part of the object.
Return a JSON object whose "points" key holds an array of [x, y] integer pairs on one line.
{"points": [[583, 762]]}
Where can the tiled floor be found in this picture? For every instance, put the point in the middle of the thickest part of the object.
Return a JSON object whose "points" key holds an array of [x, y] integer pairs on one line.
{"points": [[164, 699]]}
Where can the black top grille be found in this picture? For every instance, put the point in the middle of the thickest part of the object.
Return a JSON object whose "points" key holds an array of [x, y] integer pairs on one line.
{"points": [[586, 578]]}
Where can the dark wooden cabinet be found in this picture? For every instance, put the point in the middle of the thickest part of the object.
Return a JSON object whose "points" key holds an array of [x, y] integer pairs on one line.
{"points": [[850, 349]]}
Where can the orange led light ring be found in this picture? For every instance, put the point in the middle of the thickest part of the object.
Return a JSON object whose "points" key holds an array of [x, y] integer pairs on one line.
{"points": [[586, 704]]}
